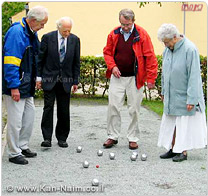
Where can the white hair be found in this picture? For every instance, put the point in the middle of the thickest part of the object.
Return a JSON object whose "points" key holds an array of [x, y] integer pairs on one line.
{"points": [[167, 31], [64, 19], [38, 12]]}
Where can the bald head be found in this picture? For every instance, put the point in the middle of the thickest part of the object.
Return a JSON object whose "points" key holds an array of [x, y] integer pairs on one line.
{"points": [[64, 26]]}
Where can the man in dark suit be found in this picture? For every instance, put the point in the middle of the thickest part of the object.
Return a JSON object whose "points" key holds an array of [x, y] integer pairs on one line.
{"points": [[58, 71]]}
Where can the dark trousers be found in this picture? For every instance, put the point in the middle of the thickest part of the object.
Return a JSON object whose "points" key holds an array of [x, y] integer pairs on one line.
{"points": [[63, 113]]}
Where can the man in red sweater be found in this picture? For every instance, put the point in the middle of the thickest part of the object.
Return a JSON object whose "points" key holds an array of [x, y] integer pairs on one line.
{"points": [[131, 62]]}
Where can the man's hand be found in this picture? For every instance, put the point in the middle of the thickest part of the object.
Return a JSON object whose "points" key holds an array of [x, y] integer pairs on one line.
{"points": [[150, 85], [74, 88], [189, 107], [39, 85], [116, 72], [15, 94]]}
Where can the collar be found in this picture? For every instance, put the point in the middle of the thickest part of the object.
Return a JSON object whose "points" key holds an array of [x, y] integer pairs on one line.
{"points": [[135, 31], [179, 43], [25, 26], [29, 29], [60, 36], [130, 32]]}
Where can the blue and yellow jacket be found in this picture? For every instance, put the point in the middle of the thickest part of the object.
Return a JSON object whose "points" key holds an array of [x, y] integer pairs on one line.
{"points": [[19, 59]]}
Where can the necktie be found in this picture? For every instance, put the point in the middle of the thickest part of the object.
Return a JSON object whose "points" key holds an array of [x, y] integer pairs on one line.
{"points": [[62, 50]]}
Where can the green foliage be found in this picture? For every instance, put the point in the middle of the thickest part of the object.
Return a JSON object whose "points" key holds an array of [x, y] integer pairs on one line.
{"points": [[9, 9], [203, 62], [154, 105], [142, 4], [156, 93], [92, 77], [81, 99], [39, 93]]}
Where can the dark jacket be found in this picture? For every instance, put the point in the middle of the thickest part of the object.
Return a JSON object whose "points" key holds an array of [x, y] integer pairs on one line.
{"points": [[19, 60], [49, 67]]}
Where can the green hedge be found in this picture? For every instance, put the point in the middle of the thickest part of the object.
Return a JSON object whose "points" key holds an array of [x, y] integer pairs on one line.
{"points": [[92, 77], [9, 9], [203, 62]]}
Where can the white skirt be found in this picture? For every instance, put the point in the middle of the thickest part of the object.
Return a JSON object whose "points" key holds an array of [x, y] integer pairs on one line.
{"points": [[191, 132]]}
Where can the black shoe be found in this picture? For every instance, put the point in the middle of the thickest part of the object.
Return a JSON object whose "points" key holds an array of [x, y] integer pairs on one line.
{"points": [[62, 144], [28, 153], [168, 155], [46, 143], [18, 160], [179, 157]]}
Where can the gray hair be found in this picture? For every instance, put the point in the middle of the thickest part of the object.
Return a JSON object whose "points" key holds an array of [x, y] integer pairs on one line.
{"points": [[64, 19], [128, 14], [167, 31], [38, 12]]}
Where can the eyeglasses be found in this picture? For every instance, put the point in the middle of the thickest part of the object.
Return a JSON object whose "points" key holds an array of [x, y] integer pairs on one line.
{"points": [[126, 25], [167, 41]]}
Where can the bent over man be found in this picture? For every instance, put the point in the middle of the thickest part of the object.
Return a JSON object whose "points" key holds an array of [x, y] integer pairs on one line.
{"points": [[58, 72], [19, 68], [131, 62]]}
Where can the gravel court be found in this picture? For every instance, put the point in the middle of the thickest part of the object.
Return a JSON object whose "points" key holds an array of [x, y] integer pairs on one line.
{"points": [[59, 171]]}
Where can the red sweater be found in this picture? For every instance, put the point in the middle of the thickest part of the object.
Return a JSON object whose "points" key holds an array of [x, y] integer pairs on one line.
{"points": [[124, 56], [146, 65]]}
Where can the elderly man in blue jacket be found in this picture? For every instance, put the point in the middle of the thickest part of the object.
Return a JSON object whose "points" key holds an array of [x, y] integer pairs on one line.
{"points": [[19, 68]]}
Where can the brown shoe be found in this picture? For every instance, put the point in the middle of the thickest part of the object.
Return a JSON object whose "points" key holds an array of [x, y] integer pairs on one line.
{"points": [[133, 145], [109, 143]]}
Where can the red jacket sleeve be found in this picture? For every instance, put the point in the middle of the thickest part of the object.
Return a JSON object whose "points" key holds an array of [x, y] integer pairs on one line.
{"points": [[150, 59], [109, 53]]}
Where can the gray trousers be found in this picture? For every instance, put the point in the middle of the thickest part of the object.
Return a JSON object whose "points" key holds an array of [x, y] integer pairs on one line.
{"points": [[20, 118]]}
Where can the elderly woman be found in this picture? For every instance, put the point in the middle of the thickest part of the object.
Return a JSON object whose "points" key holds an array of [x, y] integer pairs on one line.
{"points": [[183, 125]]}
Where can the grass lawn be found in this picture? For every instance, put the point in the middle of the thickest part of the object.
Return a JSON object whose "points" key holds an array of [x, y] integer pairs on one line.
{"points": [[78, 99], [155, 106]]}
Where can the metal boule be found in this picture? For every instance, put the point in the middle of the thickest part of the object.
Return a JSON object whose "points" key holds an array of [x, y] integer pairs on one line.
{"points": [[143, 157], [135, 153], [133, 157], [112, 156], [95, 182], [85, 164], [79, 149], [100, 153]]}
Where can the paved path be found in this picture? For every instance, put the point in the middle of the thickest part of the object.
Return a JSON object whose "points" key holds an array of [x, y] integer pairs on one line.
{"points": [[59, 171]]}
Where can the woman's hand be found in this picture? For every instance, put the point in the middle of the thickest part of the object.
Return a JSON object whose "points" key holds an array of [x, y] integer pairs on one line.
{"points": [[189, 107]]}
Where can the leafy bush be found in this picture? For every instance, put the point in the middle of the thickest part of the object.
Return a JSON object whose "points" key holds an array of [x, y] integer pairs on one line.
{"points": [[92, 77], [156, 93], [39, 93], [9, 9], [203, 62]]}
